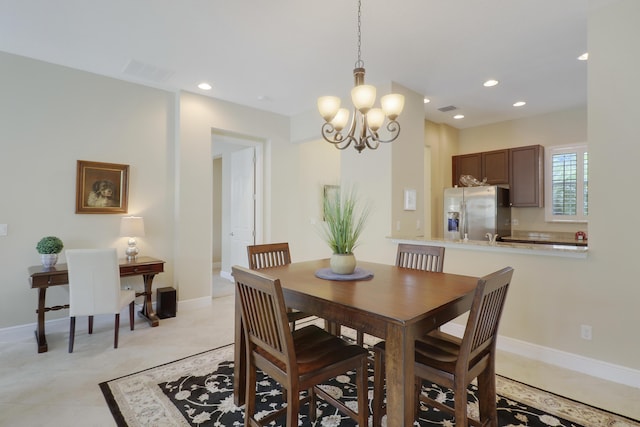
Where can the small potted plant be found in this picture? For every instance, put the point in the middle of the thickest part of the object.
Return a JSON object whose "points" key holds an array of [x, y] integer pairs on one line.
{"points": [[342, 228], [49, 247]]}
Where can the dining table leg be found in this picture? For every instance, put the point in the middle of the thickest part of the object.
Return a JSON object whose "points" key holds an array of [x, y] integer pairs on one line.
{"points": [[239, 359], [399, 361]]}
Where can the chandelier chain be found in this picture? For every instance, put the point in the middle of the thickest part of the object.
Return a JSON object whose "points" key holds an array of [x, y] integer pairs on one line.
{"points": [[359, 63]]}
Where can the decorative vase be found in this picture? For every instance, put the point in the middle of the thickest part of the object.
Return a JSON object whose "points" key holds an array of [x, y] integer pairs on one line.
{"points": [[343, 263], [49, 260]]}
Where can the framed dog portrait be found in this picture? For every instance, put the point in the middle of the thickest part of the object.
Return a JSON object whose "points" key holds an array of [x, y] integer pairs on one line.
{"points": [[101, 188]]}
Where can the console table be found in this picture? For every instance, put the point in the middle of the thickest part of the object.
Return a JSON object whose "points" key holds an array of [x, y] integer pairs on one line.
{"points": [[42, 277]]}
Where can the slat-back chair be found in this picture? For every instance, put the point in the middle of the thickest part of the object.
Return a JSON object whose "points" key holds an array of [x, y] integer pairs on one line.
{"points": [[420, 257], [416, 257], [454, 363], [298, 360], [274, 255]]}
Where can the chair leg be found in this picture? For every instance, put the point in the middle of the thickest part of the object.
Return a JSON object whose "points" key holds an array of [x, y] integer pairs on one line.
{"points": [[131, 314], [72, 332], [363, 393], [312, 405], [487, 395], [360, 338], [378, 387], [293, 406], [117, 327], [460, 402], [90, 327], [250, 399]]}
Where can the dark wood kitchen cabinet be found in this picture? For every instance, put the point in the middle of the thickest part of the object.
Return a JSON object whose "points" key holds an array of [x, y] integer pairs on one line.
{"points": [[495, 167], [492, 165], [522, 168], [466, 164], [526, 176]]}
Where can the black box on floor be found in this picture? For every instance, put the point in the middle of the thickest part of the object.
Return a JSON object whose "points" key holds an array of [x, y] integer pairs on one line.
{"points": [[166, 304]]}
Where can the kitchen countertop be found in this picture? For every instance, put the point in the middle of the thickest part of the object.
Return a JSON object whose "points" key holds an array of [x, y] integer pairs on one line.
{"points": [[544, 240], [559, 250]]}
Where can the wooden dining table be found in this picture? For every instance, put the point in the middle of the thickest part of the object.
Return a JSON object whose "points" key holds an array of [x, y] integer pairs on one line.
{"points": [[397, 304]]}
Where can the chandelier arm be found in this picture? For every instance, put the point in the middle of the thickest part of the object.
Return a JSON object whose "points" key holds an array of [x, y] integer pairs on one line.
{"points": [[394, 129], [330, 135]]}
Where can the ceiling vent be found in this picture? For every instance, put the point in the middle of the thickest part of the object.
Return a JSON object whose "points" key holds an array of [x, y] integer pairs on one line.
{"points": [[447, 108], [147, 71]]}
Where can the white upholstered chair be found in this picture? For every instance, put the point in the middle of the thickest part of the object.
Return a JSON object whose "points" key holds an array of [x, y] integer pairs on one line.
{"points": [[94, 288]]}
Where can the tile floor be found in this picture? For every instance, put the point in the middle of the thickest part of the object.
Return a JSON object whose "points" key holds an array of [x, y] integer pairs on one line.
{"points": [[61, 389]]}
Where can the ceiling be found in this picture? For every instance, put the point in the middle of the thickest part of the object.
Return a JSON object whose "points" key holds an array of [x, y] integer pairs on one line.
{"points": [[280, 55]]}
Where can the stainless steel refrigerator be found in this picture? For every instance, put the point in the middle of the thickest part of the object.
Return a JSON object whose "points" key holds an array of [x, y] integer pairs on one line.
{"points": [[476, 211]]}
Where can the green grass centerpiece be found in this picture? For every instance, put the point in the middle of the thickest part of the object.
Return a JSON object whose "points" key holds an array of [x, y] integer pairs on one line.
{"points": [[342, 227]]}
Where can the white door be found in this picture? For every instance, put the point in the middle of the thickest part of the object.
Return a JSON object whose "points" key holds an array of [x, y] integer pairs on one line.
{"points": [[242, 205]]}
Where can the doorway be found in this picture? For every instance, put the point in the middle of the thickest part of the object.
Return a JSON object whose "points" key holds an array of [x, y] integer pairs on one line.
{"points": [[237, 200]]}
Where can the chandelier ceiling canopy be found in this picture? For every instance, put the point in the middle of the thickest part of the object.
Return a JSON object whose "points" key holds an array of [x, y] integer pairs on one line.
{"points": [[366, 120]]}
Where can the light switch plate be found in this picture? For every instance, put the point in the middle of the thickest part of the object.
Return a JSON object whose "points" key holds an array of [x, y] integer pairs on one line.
{"points": [[3, 229]]}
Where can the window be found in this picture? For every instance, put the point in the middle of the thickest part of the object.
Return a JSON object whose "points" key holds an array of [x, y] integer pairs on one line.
{"points": [[567, 183]]}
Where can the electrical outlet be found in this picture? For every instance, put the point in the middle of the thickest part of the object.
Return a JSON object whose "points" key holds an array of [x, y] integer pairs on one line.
{"points": [[3, 229], [585, 332], [514, 221], [397, 225]]}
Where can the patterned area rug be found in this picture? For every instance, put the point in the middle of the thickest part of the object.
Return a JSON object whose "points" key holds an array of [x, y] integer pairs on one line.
{"points": [[198, 391]]}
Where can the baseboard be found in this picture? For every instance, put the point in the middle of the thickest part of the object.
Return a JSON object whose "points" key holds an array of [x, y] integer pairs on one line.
{"points": [[226, 275], [596, 368], [25, 332], [575, 362]]}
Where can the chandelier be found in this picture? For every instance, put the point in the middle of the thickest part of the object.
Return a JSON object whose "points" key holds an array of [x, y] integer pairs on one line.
{"points": [[366, 120]]}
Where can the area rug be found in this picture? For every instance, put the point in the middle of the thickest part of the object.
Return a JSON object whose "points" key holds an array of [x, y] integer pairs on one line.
{"points": [[198, 391]]}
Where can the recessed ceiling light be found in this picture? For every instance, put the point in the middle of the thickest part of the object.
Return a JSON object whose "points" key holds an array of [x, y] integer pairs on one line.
{"points": [[204, 86], [519, 104], [490, 83], [458, 116], [584, 56], [426, 100]]}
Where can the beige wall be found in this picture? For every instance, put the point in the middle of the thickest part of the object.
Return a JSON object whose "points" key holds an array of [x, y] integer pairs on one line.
{"points": [[51, 117], [558, 128], [442, 141], [551, 297]]}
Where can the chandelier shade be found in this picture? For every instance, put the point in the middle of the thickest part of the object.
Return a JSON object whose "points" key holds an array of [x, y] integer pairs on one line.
{"points": [[363, 128]]}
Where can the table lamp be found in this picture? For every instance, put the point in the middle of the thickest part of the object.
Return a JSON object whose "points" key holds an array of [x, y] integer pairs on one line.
{"points": [[132, 227]]}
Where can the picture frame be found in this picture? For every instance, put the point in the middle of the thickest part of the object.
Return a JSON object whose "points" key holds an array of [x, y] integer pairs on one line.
{"points": [[330, 191], [101, 188]]}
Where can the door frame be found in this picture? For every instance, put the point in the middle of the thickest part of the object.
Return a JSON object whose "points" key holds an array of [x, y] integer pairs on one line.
{"points": [[229, 139]]}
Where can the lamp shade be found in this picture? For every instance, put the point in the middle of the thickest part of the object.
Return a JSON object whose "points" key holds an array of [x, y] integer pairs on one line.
{"points": [[341, 119], [363, 97], [132, 226], [328, 107], [375, 118], [392, 105]]}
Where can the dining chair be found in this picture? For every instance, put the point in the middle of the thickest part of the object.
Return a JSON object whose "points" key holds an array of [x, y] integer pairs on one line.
{"points": [[416, 257], [420, 257], [298, 360], [454, 363], [274, 255], [94, 288]]}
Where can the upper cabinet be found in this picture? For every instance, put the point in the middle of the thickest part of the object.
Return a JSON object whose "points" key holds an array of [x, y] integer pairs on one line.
{"points": [[495, 167], [492, 165], [526, 176], [520, 168], [466, 164]]}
